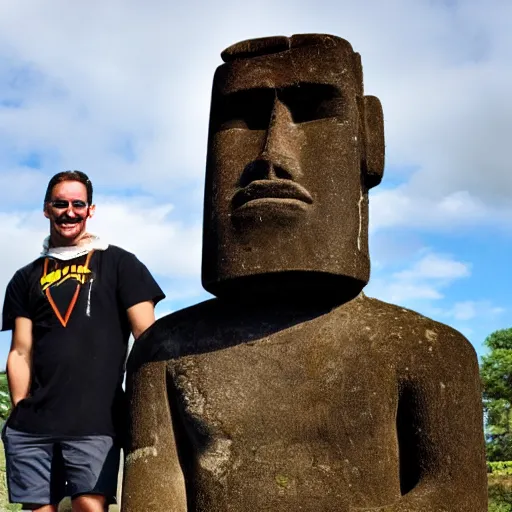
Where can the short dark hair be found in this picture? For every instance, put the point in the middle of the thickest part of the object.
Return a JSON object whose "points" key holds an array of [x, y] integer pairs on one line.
{"points": [[69, 176]]}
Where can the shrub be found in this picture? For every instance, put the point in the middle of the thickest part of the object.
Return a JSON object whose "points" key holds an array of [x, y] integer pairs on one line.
{"points": [[500, 498], [500, 468]]}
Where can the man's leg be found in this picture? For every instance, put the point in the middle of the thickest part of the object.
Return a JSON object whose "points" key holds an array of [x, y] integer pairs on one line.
{"points": [[91, 468], [39, 508], [90, 503], [34, 470]]}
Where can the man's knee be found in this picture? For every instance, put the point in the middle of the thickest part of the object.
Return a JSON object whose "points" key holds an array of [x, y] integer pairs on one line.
{"points": [[40, 508], [90, 503]]}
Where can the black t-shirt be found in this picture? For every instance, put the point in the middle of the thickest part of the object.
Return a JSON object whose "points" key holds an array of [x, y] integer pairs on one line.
{"points": [[80, 339]]}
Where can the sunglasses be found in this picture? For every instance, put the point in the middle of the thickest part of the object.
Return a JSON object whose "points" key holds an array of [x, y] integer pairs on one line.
{"points": [[63, 204]]}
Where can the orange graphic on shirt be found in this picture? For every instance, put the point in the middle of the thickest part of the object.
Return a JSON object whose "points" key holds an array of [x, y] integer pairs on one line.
{"points": [[80, 273]]}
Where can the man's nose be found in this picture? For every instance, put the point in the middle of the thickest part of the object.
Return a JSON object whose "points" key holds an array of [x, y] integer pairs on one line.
{"points": [[70, 212], [279, 157]]}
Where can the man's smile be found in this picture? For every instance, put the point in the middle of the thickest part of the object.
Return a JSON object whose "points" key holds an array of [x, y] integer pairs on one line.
{"points": [[69, 225]]}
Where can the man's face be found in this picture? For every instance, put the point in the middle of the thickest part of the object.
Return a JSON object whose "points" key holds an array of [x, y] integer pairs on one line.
{"points": [[68, 212], [284, 189]]}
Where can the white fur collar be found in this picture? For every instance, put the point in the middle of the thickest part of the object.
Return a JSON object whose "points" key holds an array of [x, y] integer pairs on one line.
{"points": [[73, 251]]}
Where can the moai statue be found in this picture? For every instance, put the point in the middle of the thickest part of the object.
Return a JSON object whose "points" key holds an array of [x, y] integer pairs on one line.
{"points": [[293, 391]]}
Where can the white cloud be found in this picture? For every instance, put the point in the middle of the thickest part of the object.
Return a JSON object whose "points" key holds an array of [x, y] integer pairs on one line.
{"points": [[423, 280], [403, 207], [464, 310], [22, 235], [469, 310], [169, 247], [121, 89], [434, 266], [401, 292]]}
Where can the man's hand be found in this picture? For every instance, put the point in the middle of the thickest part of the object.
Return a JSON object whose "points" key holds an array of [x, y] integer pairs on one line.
{"points": [[141, 316], [19, 361]]}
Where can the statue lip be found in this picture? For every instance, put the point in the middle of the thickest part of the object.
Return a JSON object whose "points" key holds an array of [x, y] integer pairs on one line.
{"points": [[273, 190]]}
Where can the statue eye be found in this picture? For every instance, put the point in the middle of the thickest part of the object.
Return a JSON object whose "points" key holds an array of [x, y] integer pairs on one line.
{"points": [[311, 102], [251, 109], [246, 110]]}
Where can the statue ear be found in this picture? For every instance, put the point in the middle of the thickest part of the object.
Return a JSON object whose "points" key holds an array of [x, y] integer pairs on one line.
{"points": [[373, 162]]}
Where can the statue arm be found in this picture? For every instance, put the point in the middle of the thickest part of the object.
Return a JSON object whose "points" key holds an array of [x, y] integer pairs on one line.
{"points": [[443, 463], [153, 479]]}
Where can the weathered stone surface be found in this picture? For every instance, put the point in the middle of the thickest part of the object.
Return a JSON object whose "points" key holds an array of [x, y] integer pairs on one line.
{"points": [[289, 131], [293, 390]]}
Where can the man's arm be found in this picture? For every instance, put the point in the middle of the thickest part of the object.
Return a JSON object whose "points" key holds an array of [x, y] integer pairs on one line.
{"points": [[19, 361], [141, 316]]}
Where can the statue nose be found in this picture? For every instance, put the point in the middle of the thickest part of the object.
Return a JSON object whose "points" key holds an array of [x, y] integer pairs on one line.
{"points": [[264, 169], [279, 158], [281, 132]]}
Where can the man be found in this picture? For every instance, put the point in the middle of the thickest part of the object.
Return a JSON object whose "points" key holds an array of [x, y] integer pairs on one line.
{"points": [[71, 312]]}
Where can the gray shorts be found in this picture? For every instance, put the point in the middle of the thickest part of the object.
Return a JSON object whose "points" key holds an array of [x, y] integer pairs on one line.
{"points": [[43, 469]]}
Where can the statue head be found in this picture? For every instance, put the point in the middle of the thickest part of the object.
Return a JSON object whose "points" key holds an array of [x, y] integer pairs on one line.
{"points": [[293, 147]]}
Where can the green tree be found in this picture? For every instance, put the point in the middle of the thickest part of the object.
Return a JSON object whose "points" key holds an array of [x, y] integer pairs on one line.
{"points": [[496, 373], [5, 399]]}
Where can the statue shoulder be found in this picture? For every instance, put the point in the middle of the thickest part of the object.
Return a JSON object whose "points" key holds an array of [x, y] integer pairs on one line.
{"points": [[174, 335], [414, 333]]}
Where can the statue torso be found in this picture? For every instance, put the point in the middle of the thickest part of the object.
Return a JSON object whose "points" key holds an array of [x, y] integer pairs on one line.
{"points": [[277, 409]]}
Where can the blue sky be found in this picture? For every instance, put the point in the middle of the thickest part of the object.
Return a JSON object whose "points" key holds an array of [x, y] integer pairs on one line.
{"points": [[121, 91]]}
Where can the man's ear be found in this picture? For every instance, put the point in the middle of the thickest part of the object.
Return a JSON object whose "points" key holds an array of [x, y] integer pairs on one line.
{"points": [[373, 162], [92, 210], [45, 210]]}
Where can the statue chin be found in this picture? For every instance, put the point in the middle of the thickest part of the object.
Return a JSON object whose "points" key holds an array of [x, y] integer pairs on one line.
{"points": [[290, 287]]}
